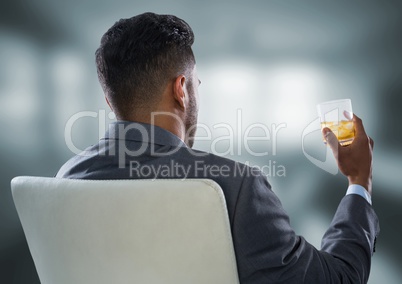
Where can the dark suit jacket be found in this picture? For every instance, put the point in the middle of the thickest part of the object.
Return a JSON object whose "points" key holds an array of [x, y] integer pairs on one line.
{"points": [[267, 249]]}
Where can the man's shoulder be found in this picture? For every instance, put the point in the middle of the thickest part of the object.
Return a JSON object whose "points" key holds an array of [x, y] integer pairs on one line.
{"points": [[215, 165], [199, 155], [98, 161], [79, 163]]}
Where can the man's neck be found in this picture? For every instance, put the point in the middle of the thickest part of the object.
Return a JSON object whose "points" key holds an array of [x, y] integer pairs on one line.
{"points": [[163, 119]]}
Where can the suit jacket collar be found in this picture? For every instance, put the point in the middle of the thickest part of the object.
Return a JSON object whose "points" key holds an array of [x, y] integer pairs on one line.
{"points": [[142, 132]]}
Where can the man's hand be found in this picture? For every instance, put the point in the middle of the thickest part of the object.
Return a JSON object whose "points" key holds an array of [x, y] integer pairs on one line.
{"points": [[355, 160]]}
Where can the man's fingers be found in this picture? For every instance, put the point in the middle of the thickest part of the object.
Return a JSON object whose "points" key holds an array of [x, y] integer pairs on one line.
{"points": [[371, 142], [358, 124], [348, 114], [331, 139]]}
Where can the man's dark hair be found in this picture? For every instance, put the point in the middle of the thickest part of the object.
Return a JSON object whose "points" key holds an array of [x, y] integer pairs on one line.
{"points": [[138, 56]]}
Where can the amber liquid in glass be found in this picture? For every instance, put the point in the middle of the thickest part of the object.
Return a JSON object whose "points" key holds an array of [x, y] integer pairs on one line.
{"points": [[343, 131]]}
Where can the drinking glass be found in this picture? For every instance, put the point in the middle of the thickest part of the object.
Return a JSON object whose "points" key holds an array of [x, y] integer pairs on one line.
{"points": [[337, 115]]}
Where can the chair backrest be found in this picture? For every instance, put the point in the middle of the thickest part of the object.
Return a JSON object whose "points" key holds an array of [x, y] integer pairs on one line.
{"points": [[126, 231]]}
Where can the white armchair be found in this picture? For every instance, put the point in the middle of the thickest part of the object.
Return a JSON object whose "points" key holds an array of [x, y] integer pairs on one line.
{"points": [[126, 231]]}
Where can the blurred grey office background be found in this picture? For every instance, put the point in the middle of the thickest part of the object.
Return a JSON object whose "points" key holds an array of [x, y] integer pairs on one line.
{"points": [[260, 62]]}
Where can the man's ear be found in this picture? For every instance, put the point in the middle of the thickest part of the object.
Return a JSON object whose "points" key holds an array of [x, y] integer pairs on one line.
{"points": [[109, 103], [179, 93]]}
